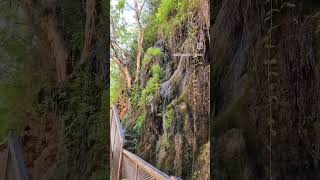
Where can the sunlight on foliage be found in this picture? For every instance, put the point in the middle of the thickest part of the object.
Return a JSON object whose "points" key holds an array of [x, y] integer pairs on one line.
{"points": [[116, 82], [151, 53], [173, 13]]}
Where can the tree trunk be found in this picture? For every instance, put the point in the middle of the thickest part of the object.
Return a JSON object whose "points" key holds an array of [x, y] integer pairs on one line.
{"points": [[127, 76], [139, 40], [58, 47], [91, 15], [53, 33]]}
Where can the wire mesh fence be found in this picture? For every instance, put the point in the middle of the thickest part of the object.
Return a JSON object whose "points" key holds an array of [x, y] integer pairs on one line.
{"points": [[126, 165]]}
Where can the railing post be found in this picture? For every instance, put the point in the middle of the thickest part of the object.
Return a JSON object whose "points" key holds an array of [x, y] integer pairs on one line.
{"points": [[136, 172], [120, 160]]}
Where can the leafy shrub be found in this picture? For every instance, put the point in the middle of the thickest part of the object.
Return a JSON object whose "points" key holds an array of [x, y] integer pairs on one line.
{"points": [[150, 33], [139, 124], [84, 120], [151, 52], [172, 13], [167, 8], [147, 93], [116, 82], [154, 51], [135, 94]]}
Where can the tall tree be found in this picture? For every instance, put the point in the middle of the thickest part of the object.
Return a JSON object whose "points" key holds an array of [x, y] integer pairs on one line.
{"points": [[138, 8], [119, 43]]}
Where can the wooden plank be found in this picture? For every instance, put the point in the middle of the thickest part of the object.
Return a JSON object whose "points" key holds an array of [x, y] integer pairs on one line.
{"points": [[140, 163], [156, 173], [137, 171], [120, 162], [117, 120]]}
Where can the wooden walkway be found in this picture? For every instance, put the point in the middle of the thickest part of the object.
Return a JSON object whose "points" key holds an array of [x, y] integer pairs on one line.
{"points": [[124, 164], [11, 163]]}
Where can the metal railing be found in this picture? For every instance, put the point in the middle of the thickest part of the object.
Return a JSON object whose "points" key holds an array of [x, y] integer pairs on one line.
{"points": [[124, 164], [12, 166]]}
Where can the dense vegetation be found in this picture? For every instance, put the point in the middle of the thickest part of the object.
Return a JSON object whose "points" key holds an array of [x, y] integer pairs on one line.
{"points": [[53, 85], [16, 68], [157, 100]]}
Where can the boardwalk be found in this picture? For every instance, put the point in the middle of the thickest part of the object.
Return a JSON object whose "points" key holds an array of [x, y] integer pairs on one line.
{"points": [[11, 163], [124, 164]]}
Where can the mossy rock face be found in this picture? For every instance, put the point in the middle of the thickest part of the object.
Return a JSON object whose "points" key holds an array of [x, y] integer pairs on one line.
{"points": [[165, 161], [231, 156], [202, 165]]}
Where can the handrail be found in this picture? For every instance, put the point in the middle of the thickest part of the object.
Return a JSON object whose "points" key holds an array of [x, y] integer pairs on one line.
{"points": [[117, 120], [156, 173], [121, 157], [117, 142]]}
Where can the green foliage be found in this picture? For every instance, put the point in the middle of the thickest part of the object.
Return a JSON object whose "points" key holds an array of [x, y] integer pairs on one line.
{"points": [[121, 4], [154, 51], [85, 131], [74, 17], [169, 118], [151, 53], [76, 40], [125, 120], [150, 33], [166, 9], [105, 6], [152, 86], [139, 124], [173, 13], [15, 58], [147, 93], [135, 94], [124, 32], [116, 82]]}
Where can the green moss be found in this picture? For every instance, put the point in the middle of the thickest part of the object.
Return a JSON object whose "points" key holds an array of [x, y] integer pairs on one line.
{"points": [[151, 53], [153, 85], [154, 51], [172, 13], [169, 118]]}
